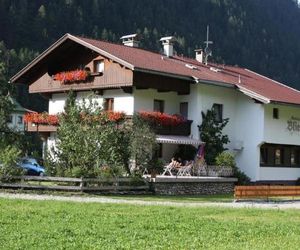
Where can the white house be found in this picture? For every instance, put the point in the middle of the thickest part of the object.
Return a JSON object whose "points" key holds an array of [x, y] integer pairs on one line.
{"points": [[15, 119], [264, 115]]}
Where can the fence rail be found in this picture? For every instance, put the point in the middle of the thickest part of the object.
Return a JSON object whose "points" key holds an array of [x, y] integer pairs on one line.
{"points": [[77, 184], [265, 191]]}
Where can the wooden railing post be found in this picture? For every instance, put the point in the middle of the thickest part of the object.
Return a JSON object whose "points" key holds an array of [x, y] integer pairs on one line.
{"points": [[81, 184]]}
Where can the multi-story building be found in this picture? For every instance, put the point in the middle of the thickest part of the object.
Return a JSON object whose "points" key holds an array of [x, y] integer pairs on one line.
{"points": [[264, 115]]}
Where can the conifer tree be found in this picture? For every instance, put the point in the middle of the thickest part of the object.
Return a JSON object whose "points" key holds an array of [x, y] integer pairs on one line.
{"points": [[211, 133]]}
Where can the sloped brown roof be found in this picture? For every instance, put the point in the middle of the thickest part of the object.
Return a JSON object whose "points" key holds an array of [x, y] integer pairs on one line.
{"points": [[181, 66], [137, 59]]}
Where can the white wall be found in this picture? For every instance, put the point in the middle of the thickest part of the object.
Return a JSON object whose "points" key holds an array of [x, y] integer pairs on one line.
{"points": [[285, 174], [122, 101], [249, 129], [275, 130], [203, 97], [57, 103], [144, 100]]}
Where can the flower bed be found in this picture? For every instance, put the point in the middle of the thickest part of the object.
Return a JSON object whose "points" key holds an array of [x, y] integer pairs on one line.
{"points": [[162, 119], [71, 76]]}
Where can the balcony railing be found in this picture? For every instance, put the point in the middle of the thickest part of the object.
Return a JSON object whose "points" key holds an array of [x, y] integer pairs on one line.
{"points": [[49, 123], [180, 129], [35, 127]]}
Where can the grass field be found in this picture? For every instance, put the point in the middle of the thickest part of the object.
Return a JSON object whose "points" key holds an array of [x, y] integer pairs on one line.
{"points": [[67, 225]]}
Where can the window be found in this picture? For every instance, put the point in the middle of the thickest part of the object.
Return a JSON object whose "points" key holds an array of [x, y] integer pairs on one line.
{"points": [[20, 119], [263, 155], [275, 113], [98, 66], [218, 110], [183, 109], [274, 155], [109, 104], [279, 156], [158, 106], [295, 157], [10, 119]]}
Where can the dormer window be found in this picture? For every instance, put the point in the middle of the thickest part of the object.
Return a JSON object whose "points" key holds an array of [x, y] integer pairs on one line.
{"points": [[99, 66]]}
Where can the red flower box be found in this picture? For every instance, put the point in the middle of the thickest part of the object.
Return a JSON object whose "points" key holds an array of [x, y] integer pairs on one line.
{"points": [[46, 119], [71, 76], [41, 118], [162, 119]]}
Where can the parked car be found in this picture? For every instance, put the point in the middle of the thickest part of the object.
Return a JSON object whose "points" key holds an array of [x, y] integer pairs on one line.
{"points": [[31, 166]]}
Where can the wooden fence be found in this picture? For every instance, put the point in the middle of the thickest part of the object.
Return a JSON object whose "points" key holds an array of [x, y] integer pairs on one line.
{"points": [[241, 192], [77, 184]]}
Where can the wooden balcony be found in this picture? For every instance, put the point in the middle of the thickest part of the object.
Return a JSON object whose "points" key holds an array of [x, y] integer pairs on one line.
{"points": [[181, 129], [33, 127]]}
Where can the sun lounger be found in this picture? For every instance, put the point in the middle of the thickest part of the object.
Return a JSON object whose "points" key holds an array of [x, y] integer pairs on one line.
{"points": [[186, 170]]}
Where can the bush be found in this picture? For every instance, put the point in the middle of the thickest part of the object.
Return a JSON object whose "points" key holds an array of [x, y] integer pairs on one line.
{"points": [[243, 179], [155, 166], [8, 163], [225, 159]]}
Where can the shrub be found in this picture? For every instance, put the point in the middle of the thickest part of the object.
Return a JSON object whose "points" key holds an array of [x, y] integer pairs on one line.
{"points": [[8, 163], [243, 179], [225, 159]]}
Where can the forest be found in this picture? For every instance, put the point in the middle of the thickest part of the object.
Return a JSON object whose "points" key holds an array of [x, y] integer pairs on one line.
{"points": [[262, 35]]}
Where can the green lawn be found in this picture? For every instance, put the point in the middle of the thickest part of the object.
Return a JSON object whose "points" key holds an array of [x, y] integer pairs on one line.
{"points": [[67, 225]]}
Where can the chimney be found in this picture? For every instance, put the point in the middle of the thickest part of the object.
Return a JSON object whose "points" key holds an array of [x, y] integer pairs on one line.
{"points": [[199, 55], [130, 40], [168, 42]]}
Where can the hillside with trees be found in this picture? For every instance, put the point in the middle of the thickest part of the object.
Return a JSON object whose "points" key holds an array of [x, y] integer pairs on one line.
{"points": [[260, 35]]}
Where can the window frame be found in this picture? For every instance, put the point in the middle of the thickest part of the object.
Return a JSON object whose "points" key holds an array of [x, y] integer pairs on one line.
{"points": [[95, 66], [218, 110], [181, 109], [109, 104], [275, 113], [161, 104], [19, 120], [285, 155]]}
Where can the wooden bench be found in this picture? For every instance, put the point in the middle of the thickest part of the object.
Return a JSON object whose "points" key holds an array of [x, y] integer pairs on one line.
{"points": [[266, 191]]}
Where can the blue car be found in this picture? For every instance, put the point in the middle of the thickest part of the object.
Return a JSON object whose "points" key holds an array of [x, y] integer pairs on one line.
{"points": [[31, 166]]}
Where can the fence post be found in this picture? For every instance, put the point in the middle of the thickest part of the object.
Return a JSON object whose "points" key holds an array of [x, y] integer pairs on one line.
{"points": [[81, 183], [117, 183]]}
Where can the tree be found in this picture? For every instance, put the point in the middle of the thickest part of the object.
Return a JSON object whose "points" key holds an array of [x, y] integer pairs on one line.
{"points": [[89, 140], [142, 144], [5, 89], [211, 133]]}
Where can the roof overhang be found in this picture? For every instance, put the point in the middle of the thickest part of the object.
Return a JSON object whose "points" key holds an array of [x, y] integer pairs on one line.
{"points": [[176, 139], [59, 42], [253, 95]]}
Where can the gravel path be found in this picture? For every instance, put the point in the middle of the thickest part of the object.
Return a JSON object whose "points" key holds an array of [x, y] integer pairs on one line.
{"points": [[243, 204]]}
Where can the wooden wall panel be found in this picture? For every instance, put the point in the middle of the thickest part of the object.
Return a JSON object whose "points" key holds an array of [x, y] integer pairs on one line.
{"points": [[114, 75]]}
